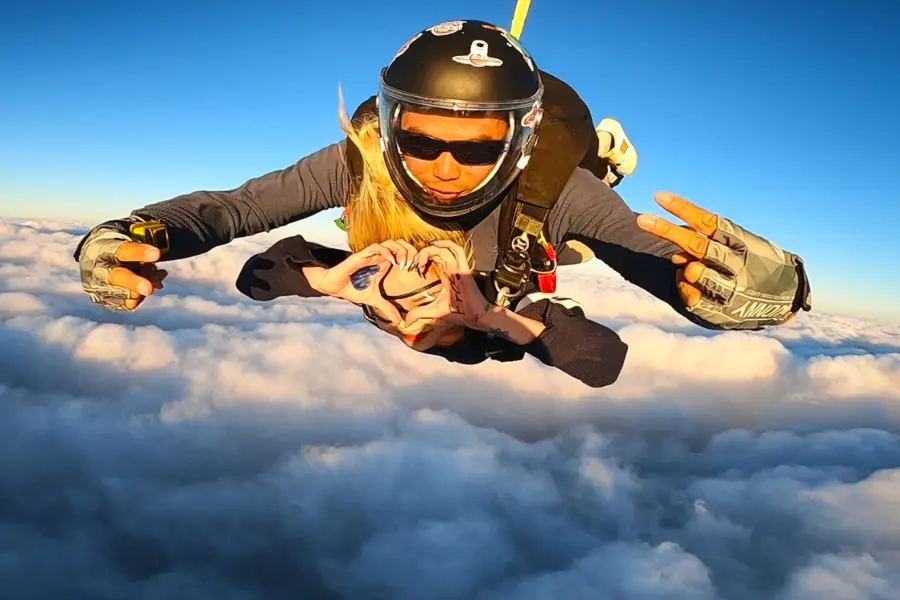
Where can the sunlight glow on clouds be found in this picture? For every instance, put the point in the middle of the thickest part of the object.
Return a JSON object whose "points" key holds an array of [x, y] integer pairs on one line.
{"points": [[210, 447]]}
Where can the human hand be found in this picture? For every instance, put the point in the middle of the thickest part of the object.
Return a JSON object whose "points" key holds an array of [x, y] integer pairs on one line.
{"points": [[460, 301], [117, 272], [356, 280], [731, 277]]}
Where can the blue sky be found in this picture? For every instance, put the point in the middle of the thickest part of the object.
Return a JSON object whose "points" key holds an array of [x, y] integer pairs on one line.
{"points": [[781, 116]]}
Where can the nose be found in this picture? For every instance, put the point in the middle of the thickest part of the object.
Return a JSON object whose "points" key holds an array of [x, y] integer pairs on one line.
{"points": [[445, 167]]}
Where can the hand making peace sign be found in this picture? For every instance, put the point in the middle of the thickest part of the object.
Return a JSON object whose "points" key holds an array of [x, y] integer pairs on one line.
{"points": [[731, 278]]}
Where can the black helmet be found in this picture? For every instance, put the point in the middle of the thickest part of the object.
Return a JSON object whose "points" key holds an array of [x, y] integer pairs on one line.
{"points": [[462, 68]]}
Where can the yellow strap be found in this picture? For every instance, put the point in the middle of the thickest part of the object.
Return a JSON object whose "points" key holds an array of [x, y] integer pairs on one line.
{"points": [[519, 16]]}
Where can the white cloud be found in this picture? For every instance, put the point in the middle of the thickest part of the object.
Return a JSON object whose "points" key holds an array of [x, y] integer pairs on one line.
{"points": [[210, 447]]}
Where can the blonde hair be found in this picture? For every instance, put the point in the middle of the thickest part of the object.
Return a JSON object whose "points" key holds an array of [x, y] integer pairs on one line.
{"points": [[376, 212]]}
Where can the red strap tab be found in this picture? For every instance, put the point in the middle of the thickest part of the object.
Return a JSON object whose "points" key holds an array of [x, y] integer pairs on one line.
{"points": [[547, 281]]}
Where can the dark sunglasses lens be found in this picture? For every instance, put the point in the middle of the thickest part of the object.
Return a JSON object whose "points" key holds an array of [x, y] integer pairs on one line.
{"points": [[478, 153], [419, 146], [467, 153]]}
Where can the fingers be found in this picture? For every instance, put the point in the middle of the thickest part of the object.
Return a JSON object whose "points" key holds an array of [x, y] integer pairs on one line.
{"points": [[696, 281], [388, 311], [134, 301], [404, 252], [694, 272], [448, 244], [700, 219], [420, 316], [368, 256], [458, 251], [372, 255], [690, 241], [419, 325], [682, 258], [377, 250], [141, 281], [711, 283], [137, 253], [688, 292], [443, 257], [126, 278], [417, 318]]}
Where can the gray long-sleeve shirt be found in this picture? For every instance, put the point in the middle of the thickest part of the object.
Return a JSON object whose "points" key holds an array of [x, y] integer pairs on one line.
{"points": [[588, 211]]}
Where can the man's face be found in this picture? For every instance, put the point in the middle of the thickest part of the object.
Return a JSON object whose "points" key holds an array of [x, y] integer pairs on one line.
{"points": [[449, 172]]}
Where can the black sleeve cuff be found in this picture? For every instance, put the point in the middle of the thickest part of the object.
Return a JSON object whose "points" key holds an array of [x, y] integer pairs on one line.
{"points": [[592, 353], [278, 271]]}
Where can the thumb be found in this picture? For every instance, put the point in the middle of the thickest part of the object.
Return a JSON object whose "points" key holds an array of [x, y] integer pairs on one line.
{"points": [[388, 311], [412, 317], [425, 314]]}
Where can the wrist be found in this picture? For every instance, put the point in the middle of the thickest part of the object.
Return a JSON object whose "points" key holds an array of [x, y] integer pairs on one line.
{"points": [[488, 319], [506, 324], [315, 276]]}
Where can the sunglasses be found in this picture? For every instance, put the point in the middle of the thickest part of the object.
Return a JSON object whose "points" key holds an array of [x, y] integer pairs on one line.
{"points": [[476, 153], [372, 316]]}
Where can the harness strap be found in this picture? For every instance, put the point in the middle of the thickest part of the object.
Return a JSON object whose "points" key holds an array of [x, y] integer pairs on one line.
{"points": [[566, 140]]}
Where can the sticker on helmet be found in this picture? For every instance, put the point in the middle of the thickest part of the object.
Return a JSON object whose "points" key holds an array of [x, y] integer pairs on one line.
{"points": [[478, 56], [533, 116], [447, 28], [406, 46]]}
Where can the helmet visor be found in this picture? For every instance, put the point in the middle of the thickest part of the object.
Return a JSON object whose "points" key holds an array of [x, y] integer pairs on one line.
{"points": [[505, 151]]}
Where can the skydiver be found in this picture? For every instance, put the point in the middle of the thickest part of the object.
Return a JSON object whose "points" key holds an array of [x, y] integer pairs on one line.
{"points": [[462, 152]]}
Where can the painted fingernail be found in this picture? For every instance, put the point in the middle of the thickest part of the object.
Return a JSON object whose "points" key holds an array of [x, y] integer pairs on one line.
{"points": [[144, 288], [648, 220], [664, 199]]}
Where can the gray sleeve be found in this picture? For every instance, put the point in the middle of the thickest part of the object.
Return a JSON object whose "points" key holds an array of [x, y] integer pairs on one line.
{"points": [[202, 220], [594, 214]]}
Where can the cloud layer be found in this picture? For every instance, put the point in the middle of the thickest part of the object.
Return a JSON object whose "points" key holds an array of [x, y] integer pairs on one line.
{"points": [[211, 447]]}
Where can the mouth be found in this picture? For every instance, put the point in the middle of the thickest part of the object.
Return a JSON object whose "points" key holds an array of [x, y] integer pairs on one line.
{"points": [[442, 195]]}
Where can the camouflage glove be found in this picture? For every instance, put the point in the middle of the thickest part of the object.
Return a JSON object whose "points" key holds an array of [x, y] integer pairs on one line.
{"points": [[116, 264], [732, 279]]}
